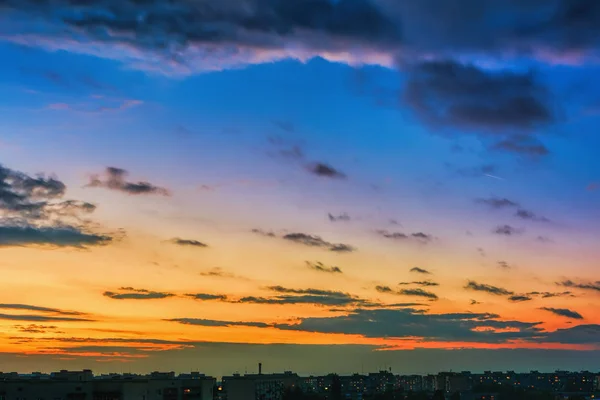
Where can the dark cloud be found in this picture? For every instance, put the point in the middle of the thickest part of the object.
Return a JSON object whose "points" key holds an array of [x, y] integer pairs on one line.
{"points": [[384, 289], [317, 241], [215, 323], [326, 171], [419, 236], [593, 286], [420, 271], [316, 297], [448, 94], [342, 217], [36, 328], [42, 318], [418, 293], [32, 212], [207, 297], [56, 236], [519, 298], [177, 36], [115, 179], [129, 293], [507, 230], [498, 202], [581, 334], [481, 287], [529, 215], [29, 307], [524, 145], [563, 312], [473, 327], [407, 292], [420, 283], [187, 242], [319, 266]]}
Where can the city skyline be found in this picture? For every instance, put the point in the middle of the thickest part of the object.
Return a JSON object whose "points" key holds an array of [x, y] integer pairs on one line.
{"points": [[320, 186]]}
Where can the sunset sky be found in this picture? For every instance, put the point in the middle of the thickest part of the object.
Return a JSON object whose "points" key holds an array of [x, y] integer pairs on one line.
{"points": [[318, 185]]}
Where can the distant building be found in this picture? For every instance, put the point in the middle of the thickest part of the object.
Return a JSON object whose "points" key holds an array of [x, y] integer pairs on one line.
{"points": [[258, 386]]}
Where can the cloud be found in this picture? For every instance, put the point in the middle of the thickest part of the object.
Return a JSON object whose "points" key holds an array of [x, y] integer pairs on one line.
{"points": [[418, 293], [563, 312], [546, 295], [129, 293], [33, 212], [317, 241], [498, 202], [504, 265], [519, 298], [420, 271], [581, 334], [29, 307], [55, 236], [420, 283], [319, 266], [216, 323], [342, 217], [325, 171], [35, 328], [115, 179], [507, 230], [383, 289], [181, 38], [263, 233], [42, 318], [316, 297], [419, 236], [481, 287], [187, 242], [407, 292], [410, 323], [207, 297], [524, 145], [529, 215], [593, 286], [448, 94]]}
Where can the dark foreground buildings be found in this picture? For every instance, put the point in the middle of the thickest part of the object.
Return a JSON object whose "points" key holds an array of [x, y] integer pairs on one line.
{"points": [[83, 385]]}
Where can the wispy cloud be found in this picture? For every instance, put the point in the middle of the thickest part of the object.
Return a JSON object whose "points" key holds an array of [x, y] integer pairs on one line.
{"points": [[420, 271], [481, 287], [115, 179], [129, 293], [320, 267], [317, 241], [341, 217], [563, 312], [216, 323], [325, 171], [418, 236], [187, 242], [593, 286], [507, 230], [207, 297]]}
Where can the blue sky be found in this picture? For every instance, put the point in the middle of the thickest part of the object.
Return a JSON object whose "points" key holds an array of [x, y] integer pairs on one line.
{"points": [[232, 156]]}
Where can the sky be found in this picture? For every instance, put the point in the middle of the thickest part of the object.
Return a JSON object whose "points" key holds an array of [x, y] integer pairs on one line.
{"points": [[315, 185]]}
